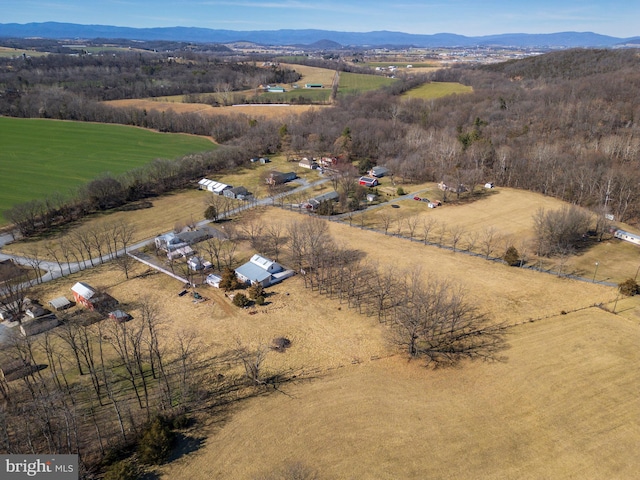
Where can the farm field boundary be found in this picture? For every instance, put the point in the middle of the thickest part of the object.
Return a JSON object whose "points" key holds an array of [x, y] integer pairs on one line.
{"points": [[41, 156]]}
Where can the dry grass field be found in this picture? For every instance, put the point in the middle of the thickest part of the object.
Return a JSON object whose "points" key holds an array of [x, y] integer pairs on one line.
{"points": [[279, 112], [563, 404], [508, 212], [180, 208], [322, 76]]}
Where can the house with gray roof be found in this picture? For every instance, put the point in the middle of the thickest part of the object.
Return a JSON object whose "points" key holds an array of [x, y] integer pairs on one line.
{"points": [[263, 271]]}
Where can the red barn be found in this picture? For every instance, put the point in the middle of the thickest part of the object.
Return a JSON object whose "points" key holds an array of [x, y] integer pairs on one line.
{"points": [[91, 299]]}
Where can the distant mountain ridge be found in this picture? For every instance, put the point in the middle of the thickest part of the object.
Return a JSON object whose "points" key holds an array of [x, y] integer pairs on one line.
{"points": [[55, 30]]}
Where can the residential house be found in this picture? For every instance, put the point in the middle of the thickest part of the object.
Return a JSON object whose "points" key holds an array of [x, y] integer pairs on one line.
{"points": [[311, 164], [446, 188], [278, 178], [263, 271], [172, 241], [627, 236], [368, 181], [378, 171], [241, 193], [314, 203]]}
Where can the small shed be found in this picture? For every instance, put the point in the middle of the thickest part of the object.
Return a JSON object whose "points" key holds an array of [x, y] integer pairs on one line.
{"points": [[119, 316], [60, 303], [214, 280]]}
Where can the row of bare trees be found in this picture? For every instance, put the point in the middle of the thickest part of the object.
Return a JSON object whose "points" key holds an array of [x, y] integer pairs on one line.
{"points": [[431, 319], [88, 386], [107, 191], [90, 245]]}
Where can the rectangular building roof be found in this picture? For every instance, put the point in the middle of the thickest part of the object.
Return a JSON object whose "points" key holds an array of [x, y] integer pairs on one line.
{"points": [[84, 290], [253, 272]]}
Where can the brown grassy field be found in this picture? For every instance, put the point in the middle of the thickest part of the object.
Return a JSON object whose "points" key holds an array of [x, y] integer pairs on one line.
{"points": [[323, 76], [509, 213], [562, 405], [167, 211], [279, 112]]}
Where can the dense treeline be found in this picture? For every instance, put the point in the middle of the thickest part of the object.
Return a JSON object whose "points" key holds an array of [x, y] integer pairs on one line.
{"points": [[563, 124], [106, 192], [133, 75], [576, 138]]}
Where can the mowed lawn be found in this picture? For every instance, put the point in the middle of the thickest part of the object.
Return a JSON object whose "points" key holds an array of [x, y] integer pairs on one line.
{"points": [[358, 82], [38, 157]]}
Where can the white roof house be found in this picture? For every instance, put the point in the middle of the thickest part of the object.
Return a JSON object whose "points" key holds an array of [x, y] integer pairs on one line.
{"points": [[60, 303]]}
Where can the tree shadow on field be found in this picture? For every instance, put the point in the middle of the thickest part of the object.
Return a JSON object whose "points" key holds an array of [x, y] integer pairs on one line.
{"points": [[185, 445]]}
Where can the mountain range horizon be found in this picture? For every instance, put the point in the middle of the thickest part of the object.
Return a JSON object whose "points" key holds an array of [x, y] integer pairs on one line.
{"points": [[293, 37]]}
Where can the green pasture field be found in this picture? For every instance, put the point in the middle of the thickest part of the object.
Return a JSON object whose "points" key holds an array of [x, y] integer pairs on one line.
{"points": [[308, 94], [432, 90], [39, 157], [358, 82], [9, 52]]}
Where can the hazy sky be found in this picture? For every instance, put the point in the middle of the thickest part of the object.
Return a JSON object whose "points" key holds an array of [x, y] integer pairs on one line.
{"points": [[620, 18]]}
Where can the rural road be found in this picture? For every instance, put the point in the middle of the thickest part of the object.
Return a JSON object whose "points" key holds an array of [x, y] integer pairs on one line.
{"points": [[56, 270]]}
